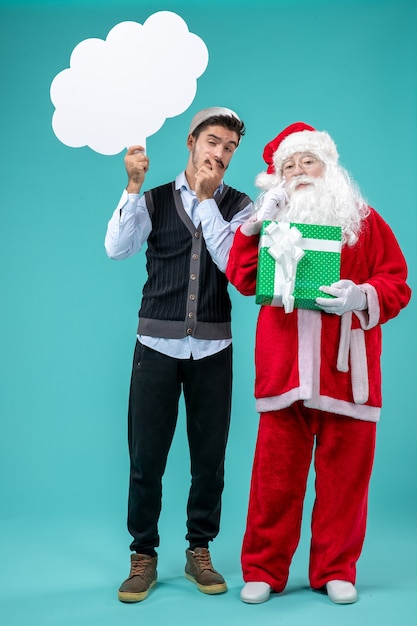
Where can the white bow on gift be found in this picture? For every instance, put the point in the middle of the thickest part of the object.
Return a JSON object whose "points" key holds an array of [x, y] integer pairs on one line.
{"points": [[283, 242]]}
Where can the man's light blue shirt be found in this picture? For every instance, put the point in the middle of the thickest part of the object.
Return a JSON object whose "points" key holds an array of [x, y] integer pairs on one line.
{"points": [[129, 228]]}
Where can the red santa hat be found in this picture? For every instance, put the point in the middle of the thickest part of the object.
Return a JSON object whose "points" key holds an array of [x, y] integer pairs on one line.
{"points": [[298, 137]]}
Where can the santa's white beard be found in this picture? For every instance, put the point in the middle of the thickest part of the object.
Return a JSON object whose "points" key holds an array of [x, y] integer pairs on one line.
{"points": [[331, 200], [311, 204]]}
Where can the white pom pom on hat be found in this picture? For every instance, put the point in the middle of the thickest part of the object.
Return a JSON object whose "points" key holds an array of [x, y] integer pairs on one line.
{"points": [[298, 137]]}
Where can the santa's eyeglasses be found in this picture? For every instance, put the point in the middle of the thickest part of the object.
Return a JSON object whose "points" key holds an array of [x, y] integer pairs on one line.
{"points": [[305, 162]]}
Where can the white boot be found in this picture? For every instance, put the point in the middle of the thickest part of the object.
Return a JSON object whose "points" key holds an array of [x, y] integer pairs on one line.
{"points": [[341, 592], [255, 593]]}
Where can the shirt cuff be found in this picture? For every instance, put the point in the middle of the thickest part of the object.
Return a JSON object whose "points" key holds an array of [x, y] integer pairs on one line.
{"points": [[208, 207], [127, 201]]}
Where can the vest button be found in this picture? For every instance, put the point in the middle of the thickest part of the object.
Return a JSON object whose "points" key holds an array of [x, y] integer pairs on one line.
{"points": [[195, 257], [197, 235], [191, 315], [189, 331], [192, 296], [193, 276]]}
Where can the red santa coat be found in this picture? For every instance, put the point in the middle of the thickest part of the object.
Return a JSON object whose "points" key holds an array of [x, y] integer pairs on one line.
{"points": [[330, 362]]}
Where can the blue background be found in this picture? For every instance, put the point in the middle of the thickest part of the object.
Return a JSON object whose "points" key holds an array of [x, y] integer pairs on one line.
{"points": [[68, 314]]}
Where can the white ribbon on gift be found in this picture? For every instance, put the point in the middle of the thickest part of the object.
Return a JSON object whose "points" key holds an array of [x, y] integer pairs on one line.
{"points": [[282, 241], [286, 245]]}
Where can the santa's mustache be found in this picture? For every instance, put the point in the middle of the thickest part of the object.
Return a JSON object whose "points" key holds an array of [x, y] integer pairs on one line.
{"points": [[299, 180]]}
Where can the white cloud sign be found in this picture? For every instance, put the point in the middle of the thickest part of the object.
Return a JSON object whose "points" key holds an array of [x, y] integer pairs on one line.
{"points": [[119, 91]]}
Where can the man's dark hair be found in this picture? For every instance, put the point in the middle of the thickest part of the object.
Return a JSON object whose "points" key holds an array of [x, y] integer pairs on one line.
{"points": [[227, 121]]}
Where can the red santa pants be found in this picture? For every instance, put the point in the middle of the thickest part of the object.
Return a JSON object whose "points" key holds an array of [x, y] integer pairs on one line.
{"points": [[343, 459]]}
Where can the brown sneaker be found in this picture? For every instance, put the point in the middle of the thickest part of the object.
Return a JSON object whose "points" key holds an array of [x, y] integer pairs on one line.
{"points": [[200, 571], [141, 579]]}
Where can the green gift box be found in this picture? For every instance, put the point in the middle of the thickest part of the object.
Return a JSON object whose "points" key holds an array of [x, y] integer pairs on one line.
{"points": [[294, 261]]}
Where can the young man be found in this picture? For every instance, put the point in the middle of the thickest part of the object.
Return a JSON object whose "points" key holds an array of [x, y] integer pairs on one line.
{"points": [[183, 339], [318, 378]]}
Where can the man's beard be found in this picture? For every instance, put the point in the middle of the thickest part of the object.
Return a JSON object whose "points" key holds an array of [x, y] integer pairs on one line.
{"points": [[332, 200], [198, 160]]}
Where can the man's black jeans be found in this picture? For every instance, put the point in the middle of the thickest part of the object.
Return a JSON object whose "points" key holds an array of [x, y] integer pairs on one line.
{"points": [[156, 384]]}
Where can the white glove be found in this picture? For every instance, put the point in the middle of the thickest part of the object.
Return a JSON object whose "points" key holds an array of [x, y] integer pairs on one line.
{"points": [[272, 202], [348, 297]]}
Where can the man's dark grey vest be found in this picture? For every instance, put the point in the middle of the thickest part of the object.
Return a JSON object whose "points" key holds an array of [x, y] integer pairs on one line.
{"points": [[185, 294]]}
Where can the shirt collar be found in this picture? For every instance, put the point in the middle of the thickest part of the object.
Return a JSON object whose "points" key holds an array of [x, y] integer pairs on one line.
{"points": [[181, 183]]}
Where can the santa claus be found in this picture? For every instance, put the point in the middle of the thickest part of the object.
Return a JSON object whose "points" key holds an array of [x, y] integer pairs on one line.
{"points": [[318, 378]]}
